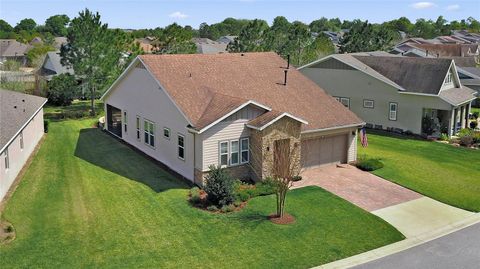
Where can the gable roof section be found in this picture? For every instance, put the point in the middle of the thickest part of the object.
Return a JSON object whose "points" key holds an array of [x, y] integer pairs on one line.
{"points": [[57, 66], [263, 121], [204, 86], [16, 110], [419, 75], [458, 96]]}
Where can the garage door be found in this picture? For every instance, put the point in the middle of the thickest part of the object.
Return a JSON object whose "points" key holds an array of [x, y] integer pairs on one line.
{"points": [[324, 150]]}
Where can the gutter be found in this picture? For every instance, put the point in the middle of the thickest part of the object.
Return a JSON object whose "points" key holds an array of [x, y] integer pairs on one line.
{"points": [[23, 127], [334, 128]]}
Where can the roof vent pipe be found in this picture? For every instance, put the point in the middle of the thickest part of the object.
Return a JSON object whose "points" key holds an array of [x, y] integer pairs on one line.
{"points": [[288, 61], [426, 53], [285, 80]]}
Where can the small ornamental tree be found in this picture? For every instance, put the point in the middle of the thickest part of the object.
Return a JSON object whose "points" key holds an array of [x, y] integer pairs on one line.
{"points": [[219, 187], [283, 174]]}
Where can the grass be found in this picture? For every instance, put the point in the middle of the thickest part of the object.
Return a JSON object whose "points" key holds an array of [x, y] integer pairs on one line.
{"points": [[90, 201], [442, 172], [78, 109], [476, 109]]}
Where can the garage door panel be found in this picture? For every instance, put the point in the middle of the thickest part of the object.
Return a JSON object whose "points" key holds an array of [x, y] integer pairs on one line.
{"points": [[324, 150]]}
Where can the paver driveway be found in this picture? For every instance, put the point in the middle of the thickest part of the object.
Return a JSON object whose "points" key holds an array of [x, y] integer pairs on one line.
{"points": [[361, 188]]}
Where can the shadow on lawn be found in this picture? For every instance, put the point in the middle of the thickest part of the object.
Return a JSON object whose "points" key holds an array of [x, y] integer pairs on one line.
{"points": [[102, 150]]}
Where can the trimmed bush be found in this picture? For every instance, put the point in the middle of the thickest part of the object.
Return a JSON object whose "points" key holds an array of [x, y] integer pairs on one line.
{"points": [[473, 124], [45, 125], [444, 137], [368, 164], [296, 178], [219, 187], [466, 140], [195, 197], [62, 89], [212, 208]]}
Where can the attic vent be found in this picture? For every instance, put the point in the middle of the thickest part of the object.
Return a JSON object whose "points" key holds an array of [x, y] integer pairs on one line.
{"points": [[285, 80]]}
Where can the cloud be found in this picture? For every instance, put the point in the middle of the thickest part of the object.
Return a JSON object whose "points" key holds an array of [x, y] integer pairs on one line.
{"points": [[178, 15], [423, 5], [453, 7]]}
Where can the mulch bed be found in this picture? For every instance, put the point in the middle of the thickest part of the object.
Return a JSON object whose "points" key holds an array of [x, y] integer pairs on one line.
{"points": [[286, 219], [7, 233]]}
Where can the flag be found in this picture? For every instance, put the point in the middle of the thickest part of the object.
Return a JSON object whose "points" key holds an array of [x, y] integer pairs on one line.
{"points": [[363, 137]]}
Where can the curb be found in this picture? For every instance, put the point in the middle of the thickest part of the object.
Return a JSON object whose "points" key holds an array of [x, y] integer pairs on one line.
{"points": [[401, 245]]}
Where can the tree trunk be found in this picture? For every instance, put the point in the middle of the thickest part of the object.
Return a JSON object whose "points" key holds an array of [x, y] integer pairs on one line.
{"points": [[92, 101]]}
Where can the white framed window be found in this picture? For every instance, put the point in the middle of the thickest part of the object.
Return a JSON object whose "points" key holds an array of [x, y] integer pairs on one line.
{"points": [[223, 152], [449, 78], [166, 133], [149, 133], [245, 150], [368, 103], [392, 111], [125, 121], [234, 155], [21, 140], [7, 160], [137, 126], [181, 146], [345, 101]]}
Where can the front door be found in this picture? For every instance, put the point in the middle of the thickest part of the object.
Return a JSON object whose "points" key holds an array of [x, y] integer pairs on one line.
{"points": [[114, 120]]}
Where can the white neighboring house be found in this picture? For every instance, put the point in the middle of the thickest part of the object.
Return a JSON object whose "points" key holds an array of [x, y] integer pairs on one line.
{"points": [[21, 128], [394, 92], [232, 110]]}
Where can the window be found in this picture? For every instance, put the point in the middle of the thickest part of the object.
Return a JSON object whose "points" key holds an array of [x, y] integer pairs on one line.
{"points": [[149, 132], [368, 103], [234, 152], [7, 161], [137, 125], [448, 79], [223, 153], [181, 146], [21, 140], [245, 150], [392, 115], [166, 133], [345, 101], [125, 121]]}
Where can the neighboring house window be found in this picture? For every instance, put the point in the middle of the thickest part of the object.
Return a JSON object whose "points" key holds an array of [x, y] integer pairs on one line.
{"points": [[245, 150], [223, 153], [345, 101], [181, 146], [149, 132], [21, 140], [7, 161], [166, 133], [393, 108], [137, 125], [125, 121], [234, 152], [448, 79], [368, 103]]}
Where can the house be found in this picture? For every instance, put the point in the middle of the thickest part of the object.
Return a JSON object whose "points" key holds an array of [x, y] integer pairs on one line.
{"points": [[470, 77], [11, 49], [208, 46], [235, 110], [394, 92], [59, 41], [227, 39], [146, 44], [437, 50], [21, 128], [52, 66]]}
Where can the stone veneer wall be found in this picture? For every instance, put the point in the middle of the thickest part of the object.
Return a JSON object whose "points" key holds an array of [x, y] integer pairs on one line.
{"points": [[262, 146]]}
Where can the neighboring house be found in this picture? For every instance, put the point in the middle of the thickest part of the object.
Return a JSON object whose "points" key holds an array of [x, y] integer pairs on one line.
{"points": [[36, 41], [235, 110], [208, 46], [10, 49], [21, 128], [59, 41], [52, 66], [227, 39], [437, 50], [470, 77], [395, 93], [146, 44]]}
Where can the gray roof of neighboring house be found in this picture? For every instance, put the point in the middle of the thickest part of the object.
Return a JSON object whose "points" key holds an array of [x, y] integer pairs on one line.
{"points": [[420, 75], [205, 48], [457, 96], [12, 48], [55, 66], [16, 109], [59, 41], [229, 38]]}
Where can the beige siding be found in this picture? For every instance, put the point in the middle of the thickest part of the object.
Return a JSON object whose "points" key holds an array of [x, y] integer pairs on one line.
{"points": [[139, 94], [352, 146], [358, 86], [32, 133]]}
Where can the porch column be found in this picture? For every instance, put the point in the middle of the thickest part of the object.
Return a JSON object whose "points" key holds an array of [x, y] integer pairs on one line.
{"points": [[450, 122], [468, 110], [462, 116]]}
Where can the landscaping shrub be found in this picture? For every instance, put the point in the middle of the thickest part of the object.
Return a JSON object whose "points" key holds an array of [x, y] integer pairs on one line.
{"points": [[227, 208], [466, 140], [475, 114], [195, 197], [296, 178], [62, 90], [444, 137], [368, 164], [473, 124], [45, 125], [212, 208], [219, 186]]}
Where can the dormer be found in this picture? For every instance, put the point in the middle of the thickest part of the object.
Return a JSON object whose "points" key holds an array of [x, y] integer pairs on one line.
{"points": [[451, 79]]}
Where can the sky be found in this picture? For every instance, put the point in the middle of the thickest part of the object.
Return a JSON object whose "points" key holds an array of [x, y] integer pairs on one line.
{"points": [[131, 14]]}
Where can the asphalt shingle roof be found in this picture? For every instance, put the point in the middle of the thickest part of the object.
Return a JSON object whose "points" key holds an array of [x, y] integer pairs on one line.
{"points": [[15, 110]]}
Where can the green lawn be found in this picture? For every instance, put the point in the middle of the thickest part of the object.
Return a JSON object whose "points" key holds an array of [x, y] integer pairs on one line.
{"points": [[89, 201], [443, 172], [78, 109]]}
